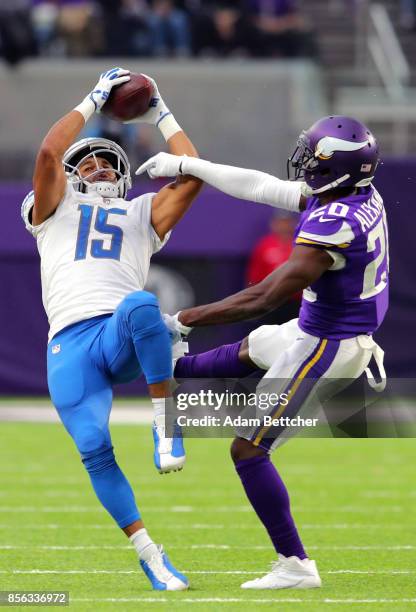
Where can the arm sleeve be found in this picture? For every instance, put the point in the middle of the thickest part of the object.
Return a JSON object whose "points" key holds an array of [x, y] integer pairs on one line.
{"points": [[246, 184]]}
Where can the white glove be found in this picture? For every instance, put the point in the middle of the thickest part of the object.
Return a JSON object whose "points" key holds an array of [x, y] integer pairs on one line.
{"points": [[100, 93], [157, 107], [158, 114], [96, 99], [175, 327], [162, 164]]}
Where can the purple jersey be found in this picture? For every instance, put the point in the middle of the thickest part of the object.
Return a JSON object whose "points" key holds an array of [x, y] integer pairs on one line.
{"points": [[351, 298]]}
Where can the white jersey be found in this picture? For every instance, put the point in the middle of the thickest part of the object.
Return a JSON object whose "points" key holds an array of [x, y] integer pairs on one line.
{"points": [[94, 251]]}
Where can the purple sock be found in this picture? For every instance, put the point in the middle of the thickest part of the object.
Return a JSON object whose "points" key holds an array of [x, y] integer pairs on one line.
{"points": [[221, 362], [268, 495]]}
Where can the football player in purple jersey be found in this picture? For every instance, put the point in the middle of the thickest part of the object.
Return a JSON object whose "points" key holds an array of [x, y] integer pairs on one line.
{"points": [[340, 261]]}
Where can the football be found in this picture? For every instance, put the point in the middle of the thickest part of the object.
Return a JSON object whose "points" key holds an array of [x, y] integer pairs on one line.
{"points": [[129, 100]]}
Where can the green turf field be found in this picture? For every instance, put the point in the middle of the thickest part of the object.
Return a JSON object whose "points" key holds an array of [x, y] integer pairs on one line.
{"points": [[354, 501]]}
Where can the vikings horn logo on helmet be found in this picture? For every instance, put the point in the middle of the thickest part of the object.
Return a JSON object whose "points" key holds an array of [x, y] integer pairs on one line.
{"points": [[335, 151], [327, 146]]}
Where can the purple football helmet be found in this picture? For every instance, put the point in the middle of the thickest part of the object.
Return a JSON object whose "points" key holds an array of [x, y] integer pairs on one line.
{"points": [[335, 151]]}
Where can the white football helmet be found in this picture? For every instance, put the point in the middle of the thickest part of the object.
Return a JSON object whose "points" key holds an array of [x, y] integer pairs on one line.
{"points": [[98, 147]]}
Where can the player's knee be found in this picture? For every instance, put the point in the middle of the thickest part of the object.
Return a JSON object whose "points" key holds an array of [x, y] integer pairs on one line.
{"points": [[100, 460], [91, 439], [139, 299], [143, 313], [96, 450], [244, 449]]}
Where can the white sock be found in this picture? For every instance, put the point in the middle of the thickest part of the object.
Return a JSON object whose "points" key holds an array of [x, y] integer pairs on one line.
{"points": [[158, 404], [162, 406], [144, 545]]}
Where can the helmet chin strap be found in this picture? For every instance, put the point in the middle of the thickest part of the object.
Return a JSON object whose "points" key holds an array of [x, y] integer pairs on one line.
{"points": [[104, 189], [308, 191]]}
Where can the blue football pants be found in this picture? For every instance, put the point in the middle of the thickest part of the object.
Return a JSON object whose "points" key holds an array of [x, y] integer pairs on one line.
{"points": [[85, 360]]}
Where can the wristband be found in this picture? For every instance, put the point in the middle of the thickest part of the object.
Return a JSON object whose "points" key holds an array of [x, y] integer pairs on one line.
{"points": [[86, 108], [168, 125]]}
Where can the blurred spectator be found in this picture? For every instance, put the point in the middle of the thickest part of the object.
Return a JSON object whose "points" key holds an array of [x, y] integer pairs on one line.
{"points": [[408, 14], [224, 31], [268, 254], [125, 28], [17, 39], [169, 28], [75, 26], [158, 28], [283, 28], [65, 27], [44, 20], [272, 250]]}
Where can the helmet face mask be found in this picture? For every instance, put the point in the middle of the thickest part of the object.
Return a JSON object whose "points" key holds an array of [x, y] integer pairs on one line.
{"points": [[335, 151], [302, 159], [87, 148]]}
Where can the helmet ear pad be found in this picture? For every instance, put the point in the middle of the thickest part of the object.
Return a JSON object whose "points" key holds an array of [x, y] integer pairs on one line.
{"points": [[328, 173]]}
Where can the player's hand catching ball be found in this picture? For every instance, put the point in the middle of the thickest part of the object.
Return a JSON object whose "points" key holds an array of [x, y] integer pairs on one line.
{"points": [[162, 164], [157, 108], [100, 93], [121, 105]]}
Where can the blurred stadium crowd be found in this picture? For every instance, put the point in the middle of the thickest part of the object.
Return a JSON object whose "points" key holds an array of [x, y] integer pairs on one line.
{"points": [[154, 28]]}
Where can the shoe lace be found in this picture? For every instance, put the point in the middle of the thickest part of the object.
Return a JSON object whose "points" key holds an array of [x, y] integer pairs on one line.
{"points": [[158, 567], [276, 566], [165, 444]]}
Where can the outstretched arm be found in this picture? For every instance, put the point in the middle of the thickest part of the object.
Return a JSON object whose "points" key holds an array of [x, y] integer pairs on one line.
{"points": [[172, 202], [238, 182], [303, 268], [49, 180]]}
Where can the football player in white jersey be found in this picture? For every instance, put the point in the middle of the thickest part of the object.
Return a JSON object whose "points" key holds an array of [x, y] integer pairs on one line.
{"points": [[95, 248]]}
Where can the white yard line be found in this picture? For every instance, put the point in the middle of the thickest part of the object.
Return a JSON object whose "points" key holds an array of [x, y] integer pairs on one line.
{"points": [[189, 509], [245, 600], [120, 414], [387, 494], [217, 547], [202, 526], [63, 491], [390, 572]]}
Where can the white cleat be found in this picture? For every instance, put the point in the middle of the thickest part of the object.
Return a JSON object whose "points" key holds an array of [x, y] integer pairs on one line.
{"points": [[169, 454], [288, 573], [162, 574]]}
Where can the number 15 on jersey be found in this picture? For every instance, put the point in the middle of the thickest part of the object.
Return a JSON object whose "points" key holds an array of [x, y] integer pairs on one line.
{"points": [[101, 225]]}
